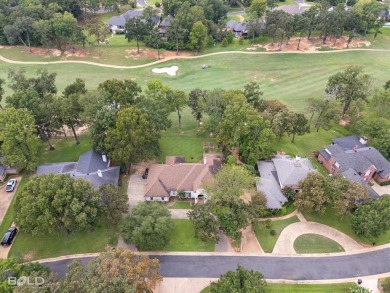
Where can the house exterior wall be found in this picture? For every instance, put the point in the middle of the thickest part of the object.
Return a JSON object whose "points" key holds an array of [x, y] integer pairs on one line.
{"points": [[369, 177], [11, 171], [380, 180], [328, 164], [157, 198], [2, 177]]}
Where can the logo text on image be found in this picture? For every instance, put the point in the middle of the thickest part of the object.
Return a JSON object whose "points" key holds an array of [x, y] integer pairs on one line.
{"points": [[30, 281]]}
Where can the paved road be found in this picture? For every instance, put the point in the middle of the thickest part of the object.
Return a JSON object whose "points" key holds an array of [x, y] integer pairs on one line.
{"points": [[273, 267]]}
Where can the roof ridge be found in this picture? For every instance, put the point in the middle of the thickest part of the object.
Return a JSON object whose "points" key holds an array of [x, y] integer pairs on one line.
{"points": [[185, 177]]}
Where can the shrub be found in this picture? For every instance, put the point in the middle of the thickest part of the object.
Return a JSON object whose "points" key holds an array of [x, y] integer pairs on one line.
{"points": [[224, 42], [157, 4], [268, 224], [230, 37], [240, 41], [272, 232]]}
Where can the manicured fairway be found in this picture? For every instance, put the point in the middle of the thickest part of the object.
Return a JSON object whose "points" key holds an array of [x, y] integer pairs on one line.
{"points": [[291, 78]]}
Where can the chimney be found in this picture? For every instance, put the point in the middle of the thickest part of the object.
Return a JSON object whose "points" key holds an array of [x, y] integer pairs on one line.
{"points": [[100, 174], [355, 148], [104, 158], [205, 160], [363, 140], [297, 158]]}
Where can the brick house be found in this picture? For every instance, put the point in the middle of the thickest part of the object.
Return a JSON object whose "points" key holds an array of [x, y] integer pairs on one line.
{"points": [[352, 152]]}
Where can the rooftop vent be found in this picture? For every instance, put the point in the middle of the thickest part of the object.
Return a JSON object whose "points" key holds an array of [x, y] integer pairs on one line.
{"points": [[363, 140], [100, 174]]}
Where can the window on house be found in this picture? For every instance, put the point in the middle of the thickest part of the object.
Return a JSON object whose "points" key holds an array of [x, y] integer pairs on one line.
{"points": [[368, 172], [151, 198], [337, 165]]}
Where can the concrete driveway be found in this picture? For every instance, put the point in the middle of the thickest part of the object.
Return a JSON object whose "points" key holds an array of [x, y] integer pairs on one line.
{"points": [[135, 190], [6, 197], [381, 189]]}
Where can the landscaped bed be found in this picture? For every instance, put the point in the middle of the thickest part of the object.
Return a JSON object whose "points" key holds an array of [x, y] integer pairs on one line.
{"points": [[263, 234], [313, 243]]}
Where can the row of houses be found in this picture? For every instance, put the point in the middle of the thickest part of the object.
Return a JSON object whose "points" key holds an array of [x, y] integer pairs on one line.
{"points": [[349, 156]]}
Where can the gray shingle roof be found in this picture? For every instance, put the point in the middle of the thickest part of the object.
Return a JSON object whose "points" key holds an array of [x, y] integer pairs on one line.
{"points": [[352, 175], [291, 170], [2, 169], [325, 154], [117, 20], [121, 20], [269, 184], [291, 9], [87, 168], [91, 162], [348, 142]]}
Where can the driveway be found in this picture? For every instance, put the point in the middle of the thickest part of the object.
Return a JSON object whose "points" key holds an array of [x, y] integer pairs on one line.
{"points": [[135, 190], [179, 213], [143, 3], [381, 190], [285, 242], [6, 198]]}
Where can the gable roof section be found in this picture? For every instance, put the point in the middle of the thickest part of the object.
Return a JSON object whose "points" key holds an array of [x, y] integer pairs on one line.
{"points": [[348, 142], [291, 170], [91, 162], [86, 168], [269, 184], [163, 178]]}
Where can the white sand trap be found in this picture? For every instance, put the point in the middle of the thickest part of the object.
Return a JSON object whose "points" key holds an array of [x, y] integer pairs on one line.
{"points": [[169, 70]]}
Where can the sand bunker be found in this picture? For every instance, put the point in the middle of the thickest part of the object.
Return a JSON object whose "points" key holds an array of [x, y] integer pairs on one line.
{"points": [[169, 70]]}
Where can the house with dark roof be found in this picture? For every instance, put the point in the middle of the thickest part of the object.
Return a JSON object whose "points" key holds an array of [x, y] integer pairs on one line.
{"points": [[351, 174], [238, 28], [91, 166], [117, 24], [280, 172], [352, 152], [175, 176], [6, 170], [164, 25]]}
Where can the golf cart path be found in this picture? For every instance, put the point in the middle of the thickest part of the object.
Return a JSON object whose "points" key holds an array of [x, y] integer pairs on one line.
{"points": [[4, 59]]}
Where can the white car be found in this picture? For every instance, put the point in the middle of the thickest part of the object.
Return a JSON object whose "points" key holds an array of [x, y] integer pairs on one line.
{"points": [[11, 185]]}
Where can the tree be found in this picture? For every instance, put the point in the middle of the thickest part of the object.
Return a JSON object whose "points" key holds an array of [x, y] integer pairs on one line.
{"points": [[299, 126], [258, 7], [118, 270], [20, 145], [178, 99], [70, 107], [354, 195], [113, 201], [120, 93], [272, 107], [36, 95], [194, 101], [271, 4], [387, 85], [149, 226], [198, 36], [350, 85], [49, 203], [137, 29], [176, 31], [254, 27], [381, 103], [282, 123], [20, 31], [105, 120], [254, 95], [229, 184], [313, 196], [155, 40], [97, 28], [241, 280], [132, 140], [301, 25], [373, 218], [205, 223]]}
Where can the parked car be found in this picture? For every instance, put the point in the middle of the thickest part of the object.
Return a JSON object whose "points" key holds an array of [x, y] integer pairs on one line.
{"points": [[9, 236], [11, 185]]}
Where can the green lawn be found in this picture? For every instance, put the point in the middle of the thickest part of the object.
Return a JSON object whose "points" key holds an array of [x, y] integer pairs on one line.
{"points": [[330, 218], [181, 205], [263, 235], [302, 288], [183, 239], [38, 247], [313, 243], [291, 78], [66, 150]]}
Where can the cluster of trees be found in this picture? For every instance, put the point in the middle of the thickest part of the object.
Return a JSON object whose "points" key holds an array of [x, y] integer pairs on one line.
{"points": [[245, 124], [375, 123], [52, 203], [116, 270], [370, 218], [226, 210], [331, 23]]}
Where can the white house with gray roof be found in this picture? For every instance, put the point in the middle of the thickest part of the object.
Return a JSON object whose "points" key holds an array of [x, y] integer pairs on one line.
{"points": [[280, 172], [116, 24], [91, 166]]}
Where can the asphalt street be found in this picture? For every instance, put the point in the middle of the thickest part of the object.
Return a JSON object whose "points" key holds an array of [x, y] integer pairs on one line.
{"points": [[272, 267]]}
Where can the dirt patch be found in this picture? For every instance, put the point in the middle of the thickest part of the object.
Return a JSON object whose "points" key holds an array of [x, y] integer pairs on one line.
{"points": [[152, 54], [29, 256], [316, 43], [254, 47], [82, 53]]}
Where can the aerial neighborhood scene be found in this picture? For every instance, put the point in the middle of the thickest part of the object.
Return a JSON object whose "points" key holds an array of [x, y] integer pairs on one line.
{"points": [[182, 146]]}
